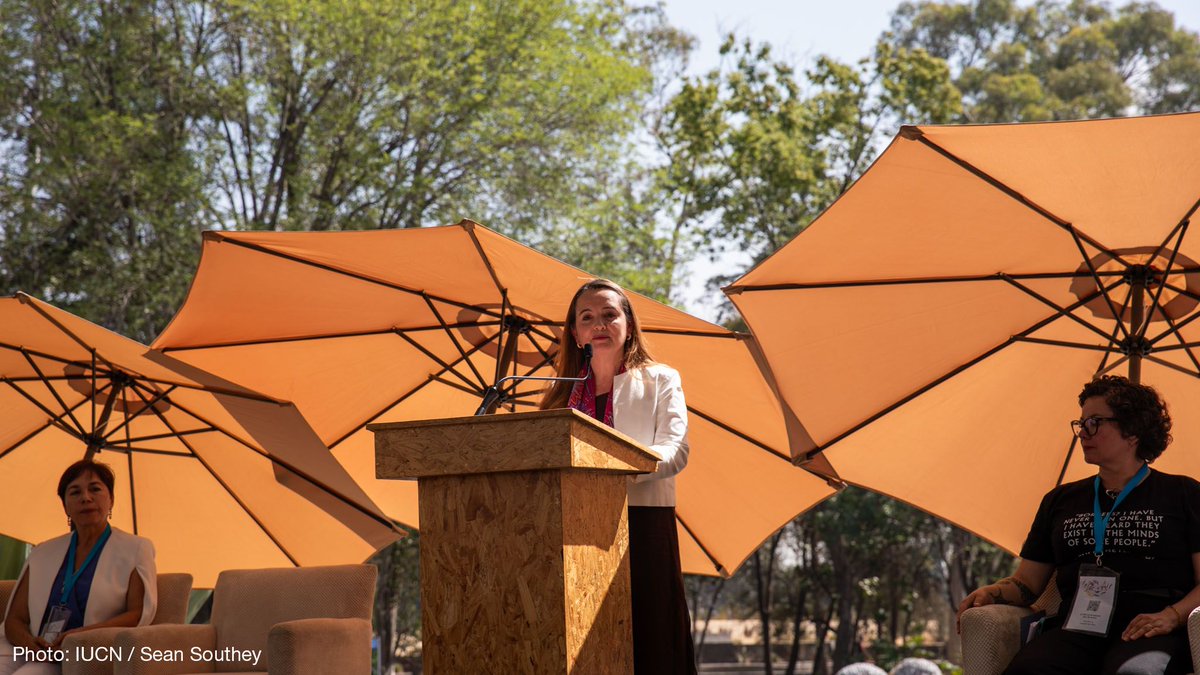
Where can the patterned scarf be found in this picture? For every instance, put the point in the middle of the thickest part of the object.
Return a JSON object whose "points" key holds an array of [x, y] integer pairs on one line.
{"points": [[583, 398]]}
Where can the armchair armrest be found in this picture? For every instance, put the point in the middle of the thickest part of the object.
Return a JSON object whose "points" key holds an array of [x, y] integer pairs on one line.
{"points": [[991, 636], [141, 645], [320, 647], [91, 645], [1193, 629]]}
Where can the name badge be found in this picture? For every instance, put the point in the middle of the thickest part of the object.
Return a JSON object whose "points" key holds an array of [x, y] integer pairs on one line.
{"points": [[59, 615], [1095, 598]]}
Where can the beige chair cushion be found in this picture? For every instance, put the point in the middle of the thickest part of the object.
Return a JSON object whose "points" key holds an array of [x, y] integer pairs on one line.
{"points": [[174, 591], [248, 603], [991, 634]]}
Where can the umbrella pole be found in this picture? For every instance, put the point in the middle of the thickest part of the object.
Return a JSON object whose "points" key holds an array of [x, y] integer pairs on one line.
{"points": [[96, 440], [512, 328], [1136, 347]]}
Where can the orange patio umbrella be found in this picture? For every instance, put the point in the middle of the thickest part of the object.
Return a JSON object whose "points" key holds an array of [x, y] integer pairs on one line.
{"points": [[216, 475], [392, 325], [932, 329]]}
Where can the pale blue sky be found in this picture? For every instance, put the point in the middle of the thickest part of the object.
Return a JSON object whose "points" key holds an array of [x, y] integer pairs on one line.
{"points": [[800, 30]]}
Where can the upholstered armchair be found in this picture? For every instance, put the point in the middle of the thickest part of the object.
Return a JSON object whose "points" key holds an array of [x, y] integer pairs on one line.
{"points": [[295, 621], [991, 634], [173, 592]]}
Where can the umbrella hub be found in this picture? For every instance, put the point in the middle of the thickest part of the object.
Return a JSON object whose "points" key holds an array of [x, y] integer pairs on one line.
{"points": [[477, 325], [516, 323], [1141, 270], [1136, 345], [115, 386], [95, 443], [1146, 276]]}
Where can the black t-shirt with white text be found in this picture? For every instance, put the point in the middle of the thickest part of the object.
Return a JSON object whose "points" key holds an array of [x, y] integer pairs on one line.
{"points": [[1150, 538]]}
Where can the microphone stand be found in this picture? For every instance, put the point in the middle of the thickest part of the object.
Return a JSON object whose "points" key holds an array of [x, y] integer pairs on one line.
{"points": [[492, 394]]}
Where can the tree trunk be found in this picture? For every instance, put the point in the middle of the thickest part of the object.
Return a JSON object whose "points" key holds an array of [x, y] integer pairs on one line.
{"points": [[762, 588], [797, 632], [822, 634], [843, 646], [708, 615]]}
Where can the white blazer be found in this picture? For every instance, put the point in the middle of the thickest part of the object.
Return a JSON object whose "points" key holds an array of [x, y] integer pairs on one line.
{"points": [[123, 554], [648, 406]]}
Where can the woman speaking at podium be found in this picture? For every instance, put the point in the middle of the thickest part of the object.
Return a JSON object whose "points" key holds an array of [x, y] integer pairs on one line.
{"points": [[625, 389]]}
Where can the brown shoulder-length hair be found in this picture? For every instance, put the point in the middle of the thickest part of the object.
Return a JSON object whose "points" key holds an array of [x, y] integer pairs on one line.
{"points": [[570, 356]]}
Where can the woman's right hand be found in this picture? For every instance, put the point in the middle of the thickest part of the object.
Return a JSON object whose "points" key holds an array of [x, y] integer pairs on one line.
{"points": [[984, 595]]}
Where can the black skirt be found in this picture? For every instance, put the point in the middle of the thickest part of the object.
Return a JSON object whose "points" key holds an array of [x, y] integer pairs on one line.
{"points": [[662, 628]]}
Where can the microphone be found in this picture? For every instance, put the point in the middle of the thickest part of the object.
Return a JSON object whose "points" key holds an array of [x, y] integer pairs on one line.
{"points": [[492, 394]]}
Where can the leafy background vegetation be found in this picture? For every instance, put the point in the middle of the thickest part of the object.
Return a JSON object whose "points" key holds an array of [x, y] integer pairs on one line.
{"points": [[128, 127]]}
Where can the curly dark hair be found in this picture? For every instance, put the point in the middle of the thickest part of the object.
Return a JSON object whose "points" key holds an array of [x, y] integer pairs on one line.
{"points": [[1139, 410]]}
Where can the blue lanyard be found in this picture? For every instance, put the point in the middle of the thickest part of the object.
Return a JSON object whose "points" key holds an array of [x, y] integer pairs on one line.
{"points": [[69, 577], [1100, 525]]}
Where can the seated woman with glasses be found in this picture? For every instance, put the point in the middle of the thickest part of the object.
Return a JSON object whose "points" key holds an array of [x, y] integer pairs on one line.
{"points": [[1125, 544]]}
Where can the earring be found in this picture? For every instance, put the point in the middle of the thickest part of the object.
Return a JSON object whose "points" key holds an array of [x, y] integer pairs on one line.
{"points": [[70, 523]]}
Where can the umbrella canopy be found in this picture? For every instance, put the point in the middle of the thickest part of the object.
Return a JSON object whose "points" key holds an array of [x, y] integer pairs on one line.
{"points": [[394, 325], [932, 329], [216, 475]]}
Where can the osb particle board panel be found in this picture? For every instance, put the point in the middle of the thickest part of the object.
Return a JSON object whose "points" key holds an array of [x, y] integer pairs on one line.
{"points": [[497, 443], [596, 569], [492, 583]]}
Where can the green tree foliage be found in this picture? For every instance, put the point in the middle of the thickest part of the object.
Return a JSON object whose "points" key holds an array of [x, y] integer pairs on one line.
{"points": [[99, 186], [346, 115], [863, 572], [755, 150], [615, 222], [130, 126], [397, 612], [1054, 59]]}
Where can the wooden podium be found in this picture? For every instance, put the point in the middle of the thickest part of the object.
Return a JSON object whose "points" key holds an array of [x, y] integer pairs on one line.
{"points": [[524, 540]]}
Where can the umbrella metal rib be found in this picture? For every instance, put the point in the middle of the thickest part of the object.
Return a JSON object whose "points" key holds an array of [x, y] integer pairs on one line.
{"points": [[913, 133], [700, 544], [1135, 343], [237, 499], [54, 419], [159, 396], [271, 458], [1060, 311], [908, 281], [53, 392], [1014, 339], [1087, 260], [336, 270], [454, 340]]}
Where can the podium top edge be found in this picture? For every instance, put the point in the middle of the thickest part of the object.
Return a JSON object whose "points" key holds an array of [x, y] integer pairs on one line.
{"points": [[507, 418]]}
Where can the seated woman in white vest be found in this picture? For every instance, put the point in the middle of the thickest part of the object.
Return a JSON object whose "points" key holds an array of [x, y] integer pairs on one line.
{"points": [[94, 576]]}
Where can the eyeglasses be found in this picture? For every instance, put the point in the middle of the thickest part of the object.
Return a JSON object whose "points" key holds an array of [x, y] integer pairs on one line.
{"points": [[1088, 426]]}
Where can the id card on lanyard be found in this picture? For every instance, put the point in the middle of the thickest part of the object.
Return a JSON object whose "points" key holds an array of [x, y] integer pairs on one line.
{"points": [[60, 614], [1096, 592]]}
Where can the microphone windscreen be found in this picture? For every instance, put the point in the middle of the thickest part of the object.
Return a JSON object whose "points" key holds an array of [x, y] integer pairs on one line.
{"points": [[587, 352]]}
